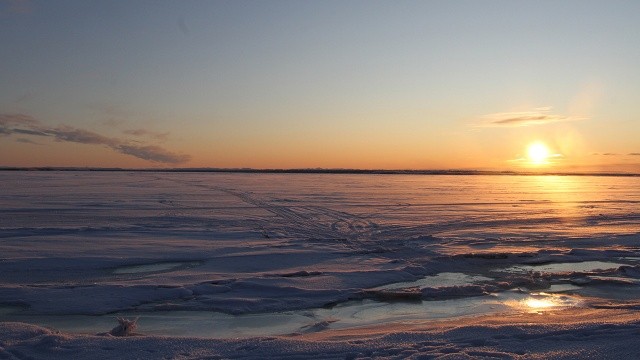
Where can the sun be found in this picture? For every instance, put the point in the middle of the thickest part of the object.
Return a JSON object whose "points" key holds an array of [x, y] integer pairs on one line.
{"points": [[538, 153]]}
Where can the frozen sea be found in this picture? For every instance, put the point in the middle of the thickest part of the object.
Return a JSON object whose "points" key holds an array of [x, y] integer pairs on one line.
{"points": [[242, 256]]}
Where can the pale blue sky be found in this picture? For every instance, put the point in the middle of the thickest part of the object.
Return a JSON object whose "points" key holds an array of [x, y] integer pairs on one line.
{"points": [[398, 84]]}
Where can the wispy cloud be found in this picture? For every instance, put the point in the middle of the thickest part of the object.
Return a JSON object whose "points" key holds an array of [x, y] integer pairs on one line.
{"points": [[27, 141], [617, 154], [71, 134], [152, 153], [536, 116], [552, 158], [17, 119], [149, 133], [29, 132], [27, 125]]}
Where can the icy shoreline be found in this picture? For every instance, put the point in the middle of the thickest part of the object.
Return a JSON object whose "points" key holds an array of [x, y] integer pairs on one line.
{"points": [[577, 333]]}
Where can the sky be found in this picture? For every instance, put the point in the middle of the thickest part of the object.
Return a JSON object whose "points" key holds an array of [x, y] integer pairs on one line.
{"points": [[369, 84]]}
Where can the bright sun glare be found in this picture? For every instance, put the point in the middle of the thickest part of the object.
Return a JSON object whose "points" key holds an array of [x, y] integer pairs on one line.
{"points": [[534, 303], [538, 153]]}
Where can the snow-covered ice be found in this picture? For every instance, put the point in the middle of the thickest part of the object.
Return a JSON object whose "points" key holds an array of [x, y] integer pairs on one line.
{"points": [[318, 265]]}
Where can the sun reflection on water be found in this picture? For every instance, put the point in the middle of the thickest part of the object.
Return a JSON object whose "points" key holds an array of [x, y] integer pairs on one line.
{"points": [[541, 302]]}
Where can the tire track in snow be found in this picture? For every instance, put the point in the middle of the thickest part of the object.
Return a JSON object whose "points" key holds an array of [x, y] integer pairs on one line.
{"points": [[313, 221]]}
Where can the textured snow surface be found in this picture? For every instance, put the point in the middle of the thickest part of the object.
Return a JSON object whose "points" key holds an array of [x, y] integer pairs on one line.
{"points": [[244, 256], [522, 341]]}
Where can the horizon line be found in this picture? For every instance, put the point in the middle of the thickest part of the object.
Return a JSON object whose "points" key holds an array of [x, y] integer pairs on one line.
{"points": [[345, 171]]}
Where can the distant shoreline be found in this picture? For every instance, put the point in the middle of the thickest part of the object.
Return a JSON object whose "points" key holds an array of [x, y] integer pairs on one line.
{"points": [[323, 171]]}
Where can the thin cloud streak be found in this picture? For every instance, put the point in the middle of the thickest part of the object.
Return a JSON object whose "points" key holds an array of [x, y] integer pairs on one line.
{"points": [[551, 159], [152, 153], [27, 141], [144, 132], [616, 154], [537, 116], [17, 119], [71, 134], [27, 125], [30, 132]]}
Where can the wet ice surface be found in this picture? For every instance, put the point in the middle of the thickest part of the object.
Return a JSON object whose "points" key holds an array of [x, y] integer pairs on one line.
{"points": [[582, 266], [215, 324], [442, 279], [355, 313], [237, 255], [157, 267]]}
